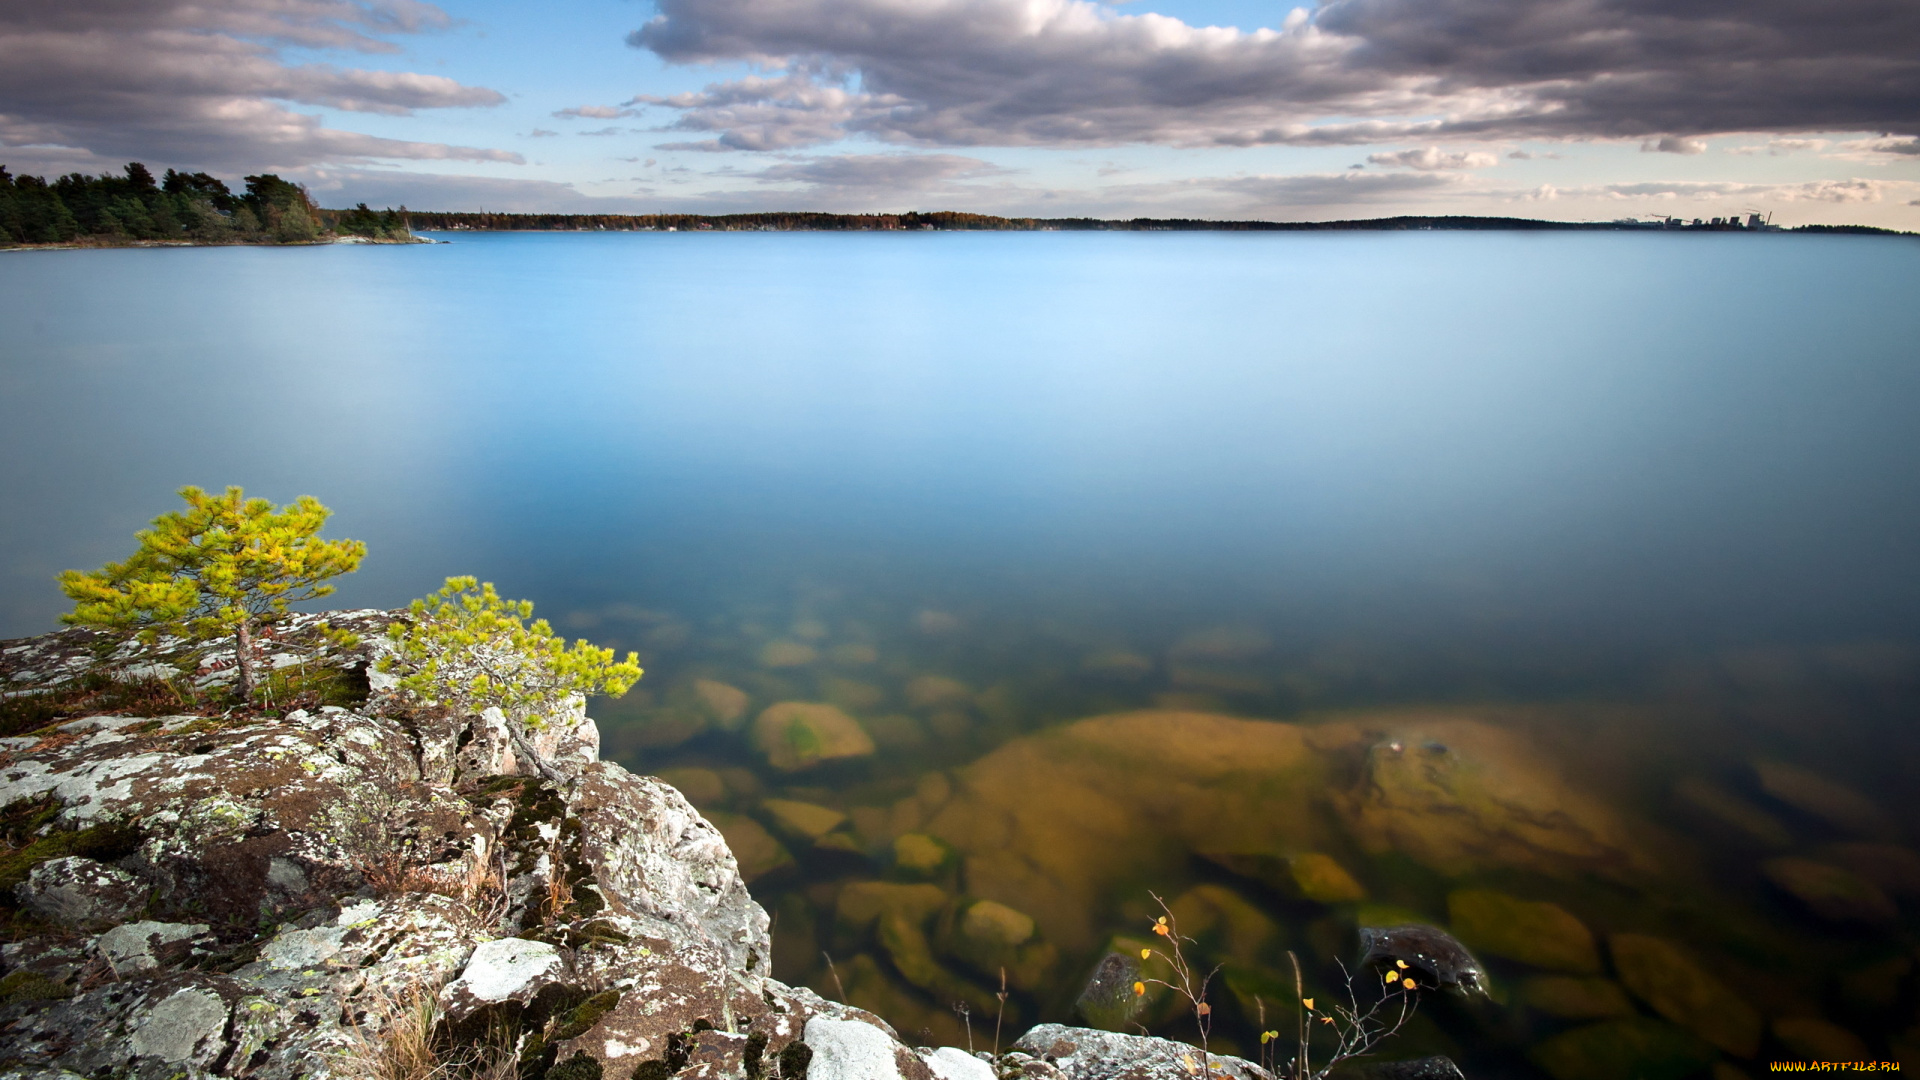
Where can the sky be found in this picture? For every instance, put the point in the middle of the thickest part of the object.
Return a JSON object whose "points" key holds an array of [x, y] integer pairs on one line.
{"points": [[1226, 109]]}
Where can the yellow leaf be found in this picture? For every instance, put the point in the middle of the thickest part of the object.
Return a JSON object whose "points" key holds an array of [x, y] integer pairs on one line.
{"points": [[1146, 954], [1308, 1002], [1139, 988], [1409, 984], [1401, 964]]}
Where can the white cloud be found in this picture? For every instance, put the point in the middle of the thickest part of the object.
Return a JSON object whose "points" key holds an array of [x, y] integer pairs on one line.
{"points": [[1432, 158], [202, 84], [1059, 72], [596, 112]]}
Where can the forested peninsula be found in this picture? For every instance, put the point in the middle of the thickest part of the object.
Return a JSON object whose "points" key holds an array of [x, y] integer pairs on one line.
{"points": [[181, 208]]}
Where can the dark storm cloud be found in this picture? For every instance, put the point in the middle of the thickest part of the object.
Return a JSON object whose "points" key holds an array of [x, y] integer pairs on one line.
{"points": [[202, 84], [1049, 72]]}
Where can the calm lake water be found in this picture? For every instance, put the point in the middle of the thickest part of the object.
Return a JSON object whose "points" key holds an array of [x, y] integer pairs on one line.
{"points": [[1565, 568]]}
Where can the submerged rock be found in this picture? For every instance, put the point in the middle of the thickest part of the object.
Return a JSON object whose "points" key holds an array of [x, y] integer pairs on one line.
{"points": [[1733, 813], [1432, 956], [1813, 1039], [1573, 998], [1815, 795], [1461, 795], [1540, 934], [1639, 1048], [1830, 892], [803, 820], [1667, 979], [798, 735], [1309, 876]]}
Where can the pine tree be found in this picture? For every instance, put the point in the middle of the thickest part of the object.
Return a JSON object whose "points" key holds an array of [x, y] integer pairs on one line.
{"points": [[215, 570]]}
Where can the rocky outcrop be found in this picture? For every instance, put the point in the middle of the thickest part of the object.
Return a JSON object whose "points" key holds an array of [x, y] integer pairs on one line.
{"points": [[307, 892], [279, 894]]}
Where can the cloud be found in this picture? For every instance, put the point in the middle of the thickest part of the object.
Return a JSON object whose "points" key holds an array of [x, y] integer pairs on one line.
{"points": [[441, 191], [1670, 144], [1432, 158], [1855, 190], [601, 132], [1053, 72], [542, 133], [1884, 145], [877, 173], [596, 112], [203, 84]]}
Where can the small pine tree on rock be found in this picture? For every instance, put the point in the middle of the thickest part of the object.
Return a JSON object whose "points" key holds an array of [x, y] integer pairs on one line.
{"points": [[217, 569]]}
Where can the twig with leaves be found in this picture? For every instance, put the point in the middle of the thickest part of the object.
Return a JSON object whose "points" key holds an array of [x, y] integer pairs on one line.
{"points": [[1356, 1031], [1186, 982]]}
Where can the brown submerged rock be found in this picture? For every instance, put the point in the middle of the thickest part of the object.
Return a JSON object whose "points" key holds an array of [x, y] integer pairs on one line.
{"points": [[1830, 892], [1661, 974], [1462, 795], [1536, 933]]}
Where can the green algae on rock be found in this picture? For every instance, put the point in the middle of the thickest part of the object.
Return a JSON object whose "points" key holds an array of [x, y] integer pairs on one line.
{"points": [[1661, 974], [1536, 933]]}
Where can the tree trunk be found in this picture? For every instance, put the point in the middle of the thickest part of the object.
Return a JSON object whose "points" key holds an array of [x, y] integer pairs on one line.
{"points": [[243, 655]]}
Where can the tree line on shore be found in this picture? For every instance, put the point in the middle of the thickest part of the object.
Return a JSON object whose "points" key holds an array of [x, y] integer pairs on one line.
{"points": [[182, 207]]}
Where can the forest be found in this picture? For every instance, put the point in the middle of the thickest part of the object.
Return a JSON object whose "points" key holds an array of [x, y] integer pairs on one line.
{"points": [[192, 208]]}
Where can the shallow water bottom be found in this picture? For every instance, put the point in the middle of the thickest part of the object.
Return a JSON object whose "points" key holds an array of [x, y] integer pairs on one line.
{"points": [[1664, 865]]}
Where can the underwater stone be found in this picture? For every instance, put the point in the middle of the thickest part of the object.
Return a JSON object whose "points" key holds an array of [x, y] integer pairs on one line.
{"points": [[1640, 1048], [1830, 892], [1108, 1001], [935, 691], [1427, 951], [862, 902], [1319, 878], [754, 848], [919, 854], [991, 923], [726, 705], [1732, 812], [1815, 1039], [1664, 977], [1893, 868], [1570, 997], [1537, 933], [1243, 930], [1489, 800], [1815, 795], [702, 787], [806, 821], [784, 654], [797, 735]]}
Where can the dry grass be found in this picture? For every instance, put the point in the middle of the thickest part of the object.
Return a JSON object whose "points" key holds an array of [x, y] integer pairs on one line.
{"points": [[396, 1038]]}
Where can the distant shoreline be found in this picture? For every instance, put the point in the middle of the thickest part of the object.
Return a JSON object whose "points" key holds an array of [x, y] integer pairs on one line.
{"points": [[948, 221], [94, 243]]}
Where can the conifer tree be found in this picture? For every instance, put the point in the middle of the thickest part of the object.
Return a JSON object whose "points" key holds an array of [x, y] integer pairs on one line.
{"points": [[215, 570]]}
